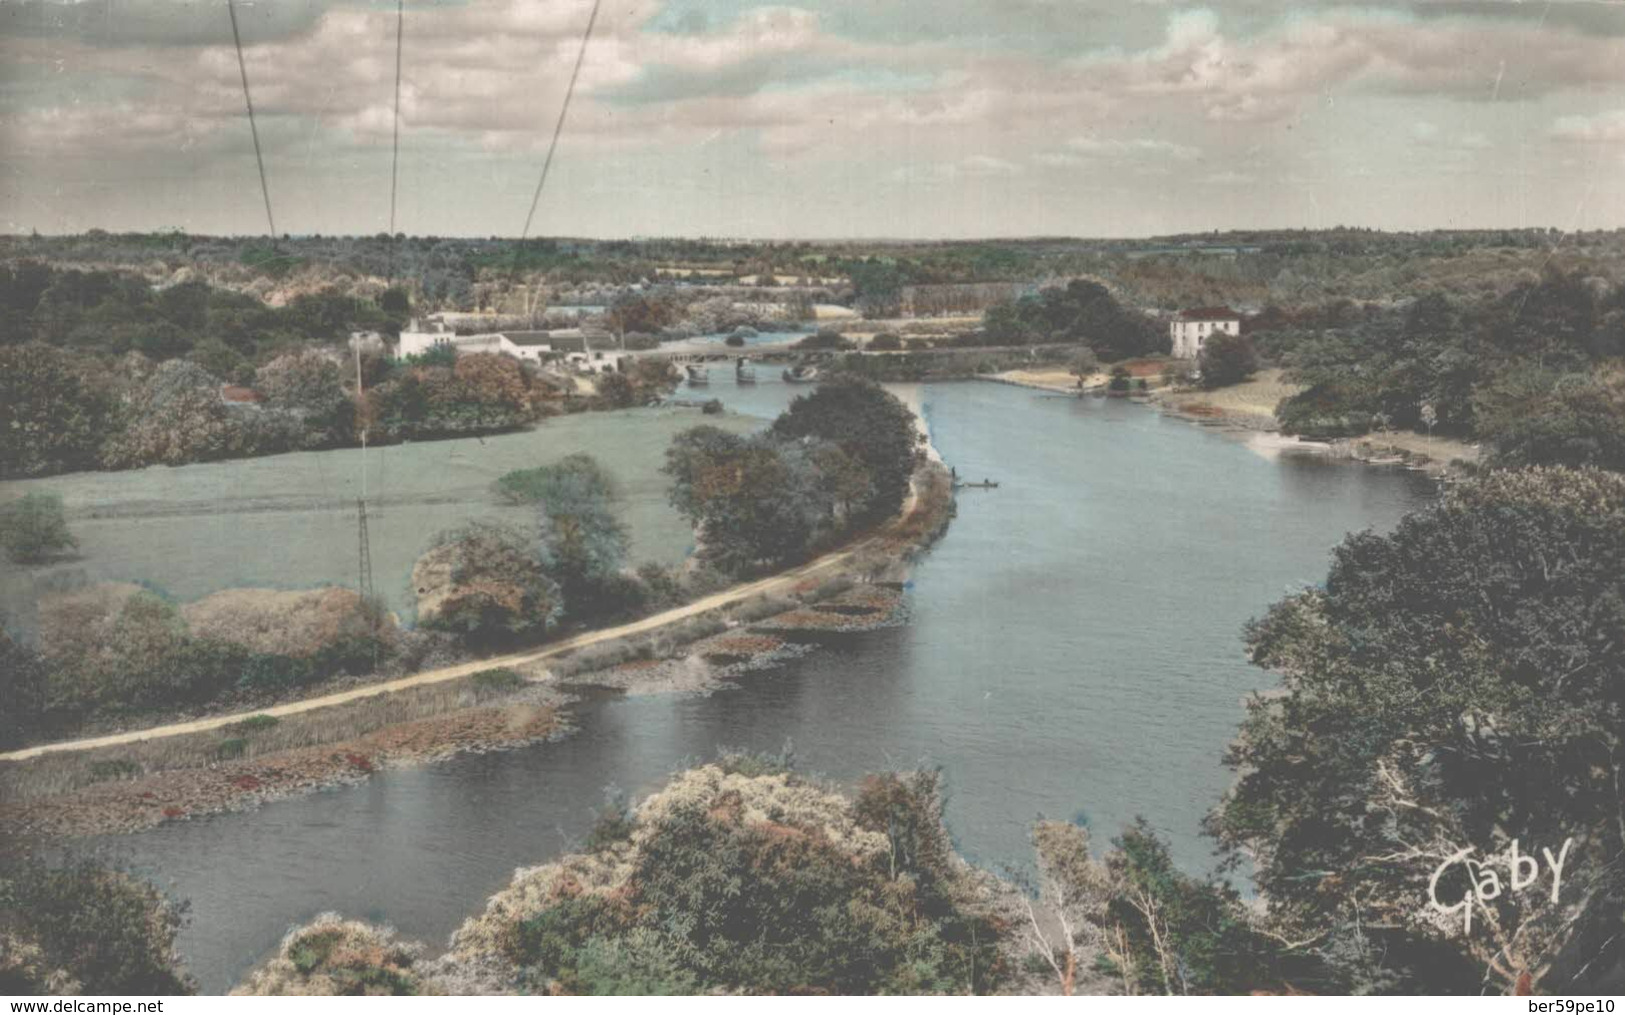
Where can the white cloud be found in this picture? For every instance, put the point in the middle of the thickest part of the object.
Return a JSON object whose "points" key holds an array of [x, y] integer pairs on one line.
{"points": [[1100, 147], [1603, 128]]}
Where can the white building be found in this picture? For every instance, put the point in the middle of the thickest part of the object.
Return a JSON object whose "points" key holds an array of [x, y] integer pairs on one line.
{"points": [[525, 345], [1190, 329]]}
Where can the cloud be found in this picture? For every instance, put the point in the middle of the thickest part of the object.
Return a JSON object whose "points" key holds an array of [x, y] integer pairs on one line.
{"points": [[856, 87], [970, 167], [1115, 148], [1603, 128]]}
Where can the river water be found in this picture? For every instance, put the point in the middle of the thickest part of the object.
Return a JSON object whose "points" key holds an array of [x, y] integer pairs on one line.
{"points": [[1072, 649]]}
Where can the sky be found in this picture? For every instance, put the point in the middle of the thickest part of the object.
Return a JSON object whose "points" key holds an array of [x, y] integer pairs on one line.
{"points": [[815, 118]]}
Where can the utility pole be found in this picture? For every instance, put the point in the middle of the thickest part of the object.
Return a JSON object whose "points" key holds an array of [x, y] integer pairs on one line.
{"points": [[364, 541]]}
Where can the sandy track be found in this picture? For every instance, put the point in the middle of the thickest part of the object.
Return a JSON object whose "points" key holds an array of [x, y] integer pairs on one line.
{"points": [[783, 581]]}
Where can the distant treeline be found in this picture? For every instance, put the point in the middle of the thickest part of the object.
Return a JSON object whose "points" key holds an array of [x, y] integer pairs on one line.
{"points": [[1293, 266]]}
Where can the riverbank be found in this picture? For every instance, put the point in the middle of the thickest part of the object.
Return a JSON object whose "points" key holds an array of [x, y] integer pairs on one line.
{"points": [[135, 780], [1247, 410]]}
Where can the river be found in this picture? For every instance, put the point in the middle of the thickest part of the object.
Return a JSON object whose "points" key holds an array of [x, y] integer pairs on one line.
{"points": [[1072, 649]]}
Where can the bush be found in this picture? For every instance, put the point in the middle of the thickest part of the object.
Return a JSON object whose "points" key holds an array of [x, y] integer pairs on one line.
{"points": [[761, 883], [33, 527], [138, 658], [886, 341], [81, 928], [571, 478], [253, 724], [618, 390], [714, 407], [115, 768], [496, 681], [1227, 359], [23, 689], [486, 583], [55, 410], [333, 957], [826, 339]]}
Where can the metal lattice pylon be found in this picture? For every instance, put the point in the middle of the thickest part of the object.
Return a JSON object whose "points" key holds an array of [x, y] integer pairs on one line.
{"points": [[364, 578]]}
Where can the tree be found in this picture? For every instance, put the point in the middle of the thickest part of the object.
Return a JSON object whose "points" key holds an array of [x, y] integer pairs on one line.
{"points": [[869, 424], [495, 591], [584, 543], [754, 501], [22, 688], [826, 339], [1074, 891], [311, 387], [1226, 359], [1081, 311], [1455, 686], [53, 414], [33, 527], [1538, 418], [1153, 928], [80, 928], [618, 390], [1084, 364]]}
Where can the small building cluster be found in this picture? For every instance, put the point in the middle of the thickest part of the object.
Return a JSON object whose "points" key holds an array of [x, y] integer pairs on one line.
{"points": [[574, 348], [1190, 329]]}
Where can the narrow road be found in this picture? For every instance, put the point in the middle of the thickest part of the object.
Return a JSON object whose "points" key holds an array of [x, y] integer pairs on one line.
{"points": [[781, 582]]}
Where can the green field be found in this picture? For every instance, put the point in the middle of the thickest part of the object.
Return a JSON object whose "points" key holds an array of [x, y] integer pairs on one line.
{"points": [[289, 521]]}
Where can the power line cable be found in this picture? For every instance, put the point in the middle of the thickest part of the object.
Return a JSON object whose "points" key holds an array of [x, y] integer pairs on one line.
{"points": [[558, 127], [248, 100], [395, 153]]}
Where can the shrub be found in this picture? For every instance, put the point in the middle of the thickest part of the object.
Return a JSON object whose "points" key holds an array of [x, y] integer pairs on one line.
{"points": [[617, 389], [23, 689], [714, 407], [485, 583], [759, 883], [613, 824], [498, 680], [55, 410], [230, 750], [81, 928], [826, 339], [115, 768], [33, 527], [574, 477], [253, 724], [331, 957], [139, 657]]}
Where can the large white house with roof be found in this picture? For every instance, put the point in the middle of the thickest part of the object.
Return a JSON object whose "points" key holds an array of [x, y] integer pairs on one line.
{"points": [[1190, 329], [527, 345]]}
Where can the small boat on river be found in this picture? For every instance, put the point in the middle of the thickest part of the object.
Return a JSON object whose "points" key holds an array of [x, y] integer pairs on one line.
{"points": [[698, 376], [744, 372]]}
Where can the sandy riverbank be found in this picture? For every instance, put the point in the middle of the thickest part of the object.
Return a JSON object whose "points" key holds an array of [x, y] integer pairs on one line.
{"points": [[1248, 409]]}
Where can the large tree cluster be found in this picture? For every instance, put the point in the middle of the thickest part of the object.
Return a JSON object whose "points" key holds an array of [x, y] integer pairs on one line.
{"points": [[839, 458], [1453, 699]]}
